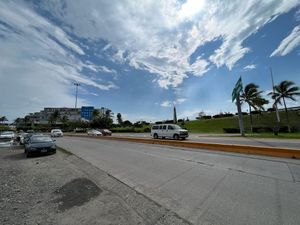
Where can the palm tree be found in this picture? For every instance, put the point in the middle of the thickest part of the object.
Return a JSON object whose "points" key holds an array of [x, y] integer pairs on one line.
{"points": [[285, 90], [253, 98], [95, 114]]}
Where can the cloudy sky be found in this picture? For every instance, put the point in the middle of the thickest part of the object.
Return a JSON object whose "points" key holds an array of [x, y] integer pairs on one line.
{"points": [[140, 58]]}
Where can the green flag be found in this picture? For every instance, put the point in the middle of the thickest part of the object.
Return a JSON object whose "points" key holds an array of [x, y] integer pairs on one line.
{"points": [[237, 89]]}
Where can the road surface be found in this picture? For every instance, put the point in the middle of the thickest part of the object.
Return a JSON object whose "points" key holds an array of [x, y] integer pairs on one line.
{"points": [[201, 186], [230, 139]]}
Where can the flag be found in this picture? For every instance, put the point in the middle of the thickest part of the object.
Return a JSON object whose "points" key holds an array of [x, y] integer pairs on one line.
{"points": [[237, 89]]}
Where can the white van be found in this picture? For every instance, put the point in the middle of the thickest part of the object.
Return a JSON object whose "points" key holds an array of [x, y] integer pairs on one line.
{"points": [[168, 131]]}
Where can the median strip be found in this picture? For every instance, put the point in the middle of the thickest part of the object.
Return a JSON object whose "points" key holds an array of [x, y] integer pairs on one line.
{"points": [[245, 149]]}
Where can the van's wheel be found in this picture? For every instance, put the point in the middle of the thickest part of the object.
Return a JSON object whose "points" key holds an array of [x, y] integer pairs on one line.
{"points": [[155, 136], [176, 136]]}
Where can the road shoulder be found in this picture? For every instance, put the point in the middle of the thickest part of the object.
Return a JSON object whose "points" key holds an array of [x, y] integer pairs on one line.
{"points": [[64, 189]]}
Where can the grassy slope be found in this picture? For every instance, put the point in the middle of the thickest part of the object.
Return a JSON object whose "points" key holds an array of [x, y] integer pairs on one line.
{"points": [[217, 125]]}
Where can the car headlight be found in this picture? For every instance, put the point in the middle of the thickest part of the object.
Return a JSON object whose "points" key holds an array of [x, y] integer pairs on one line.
{"points": [[53, 147], [32, 148]]}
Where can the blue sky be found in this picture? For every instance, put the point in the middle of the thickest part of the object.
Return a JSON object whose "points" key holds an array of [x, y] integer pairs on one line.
{"points": [[140, 58]]}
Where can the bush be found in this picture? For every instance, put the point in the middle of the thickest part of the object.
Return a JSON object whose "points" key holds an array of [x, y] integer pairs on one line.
{"points": [[282, 129], [147, 130], [223, 115], [125, 130], [206, 117], [262, 129], [231, 130], [243, 113], [255, 112]]}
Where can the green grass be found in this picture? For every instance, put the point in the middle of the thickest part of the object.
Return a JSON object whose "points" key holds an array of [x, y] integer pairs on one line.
{"points": [[263, 120]]}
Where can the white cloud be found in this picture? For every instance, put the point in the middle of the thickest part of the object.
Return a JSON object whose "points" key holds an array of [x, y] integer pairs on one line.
{"points": [[288, 44], [166, 104], [190, 8], [157, 36], [178, 101], [249, 67], [38, 63], [160, 36]]}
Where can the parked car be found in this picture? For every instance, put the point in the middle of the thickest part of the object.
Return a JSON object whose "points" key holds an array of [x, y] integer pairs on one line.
{"points": [[169, 131], [39, 143], [94, 132], [21, 137], [57, 133], [7, 135], [105, 132], [27, 137]]}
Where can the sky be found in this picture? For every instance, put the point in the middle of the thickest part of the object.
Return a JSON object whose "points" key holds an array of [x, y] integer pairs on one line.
{"points": [[140, 58]]}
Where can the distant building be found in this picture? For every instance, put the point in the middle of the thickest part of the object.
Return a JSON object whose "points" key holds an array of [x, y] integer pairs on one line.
{"points": [[72, 114], [87, 112], [43, 116]]}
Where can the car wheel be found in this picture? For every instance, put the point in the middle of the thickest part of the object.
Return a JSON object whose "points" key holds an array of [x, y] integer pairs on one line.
{"points": [[183, 138], [155, 136], [176, 136], [28, 154]]}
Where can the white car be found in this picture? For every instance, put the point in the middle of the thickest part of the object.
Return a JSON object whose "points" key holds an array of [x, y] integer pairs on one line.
{"points": [[168, 131], [7, 135], [57, 133], [94, 132]]}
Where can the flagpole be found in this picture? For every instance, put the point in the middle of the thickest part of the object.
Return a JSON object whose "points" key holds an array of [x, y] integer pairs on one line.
{"points": [[275, 104], [236, 97], [240, 115]]}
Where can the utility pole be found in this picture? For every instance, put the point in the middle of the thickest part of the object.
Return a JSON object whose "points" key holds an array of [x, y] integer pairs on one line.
{"points": [[76, 84], [275, 105]]}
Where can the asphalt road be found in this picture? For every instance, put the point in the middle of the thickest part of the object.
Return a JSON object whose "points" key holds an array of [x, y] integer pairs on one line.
{"points": [[230, 139], [201, 186]]}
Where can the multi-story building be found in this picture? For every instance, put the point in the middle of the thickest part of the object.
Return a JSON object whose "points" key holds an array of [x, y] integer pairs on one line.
{"points": [[71, 114], [87, 112]]}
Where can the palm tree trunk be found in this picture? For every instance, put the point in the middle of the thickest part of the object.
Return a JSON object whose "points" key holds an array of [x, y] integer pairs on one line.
{"points": [[287, 116], [251, 120]]}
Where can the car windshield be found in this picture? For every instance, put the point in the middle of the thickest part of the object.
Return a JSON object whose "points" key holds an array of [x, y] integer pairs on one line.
{"points": [[37, 139]]}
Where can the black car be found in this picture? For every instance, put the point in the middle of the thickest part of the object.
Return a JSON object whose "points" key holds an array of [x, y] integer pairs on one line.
{"points": [[39, 144]]}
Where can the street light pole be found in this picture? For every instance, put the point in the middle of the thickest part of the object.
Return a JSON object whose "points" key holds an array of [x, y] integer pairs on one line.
{"points": [[76, 84]]}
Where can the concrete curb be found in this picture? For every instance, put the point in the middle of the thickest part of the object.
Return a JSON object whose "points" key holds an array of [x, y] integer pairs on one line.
{"points": [[245, 149]]}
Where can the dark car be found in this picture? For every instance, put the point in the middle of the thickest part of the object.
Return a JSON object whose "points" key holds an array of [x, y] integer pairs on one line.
{"points": [[26, 137], [39, 144]]}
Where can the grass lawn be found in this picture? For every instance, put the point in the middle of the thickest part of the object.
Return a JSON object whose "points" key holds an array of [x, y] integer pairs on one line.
{"points": [[259, 120]]}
